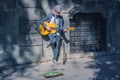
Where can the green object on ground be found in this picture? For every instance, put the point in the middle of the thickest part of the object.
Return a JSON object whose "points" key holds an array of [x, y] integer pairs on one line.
{"points": [[52, 74]]}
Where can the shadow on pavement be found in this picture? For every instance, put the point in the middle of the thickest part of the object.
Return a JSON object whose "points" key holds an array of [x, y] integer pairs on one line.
{"points": [[107, 68]]}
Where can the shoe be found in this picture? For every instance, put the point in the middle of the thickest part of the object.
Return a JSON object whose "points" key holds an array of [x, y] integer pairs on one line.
{"points": [[67, 41], [48, 45], [54, 61]]}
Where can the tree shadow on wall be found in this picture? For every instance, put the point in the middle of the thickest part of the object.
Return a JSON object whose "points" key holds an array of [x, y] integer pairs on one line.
{"points": [[16, 45], [11, 31]]}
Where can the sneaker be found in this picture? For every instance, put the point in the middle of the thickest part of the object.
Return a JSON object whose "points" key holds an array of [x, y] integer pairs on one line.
{"points": [[54, 61], [67, 41]]}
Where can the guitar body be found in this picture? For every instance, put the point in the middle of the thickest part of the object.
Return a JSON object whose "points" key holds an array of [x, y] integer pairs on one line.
{"points": [[44, 32]]}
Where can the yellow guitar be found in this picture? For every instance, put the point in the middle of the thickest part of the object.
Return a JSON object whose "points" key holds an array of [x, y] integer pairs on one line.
{"points": [[44, 32]]}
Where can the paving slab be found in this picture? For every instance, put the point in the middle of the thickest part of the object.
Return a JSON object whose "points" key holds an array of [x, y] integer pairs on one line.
{"points": [[100, 68]]}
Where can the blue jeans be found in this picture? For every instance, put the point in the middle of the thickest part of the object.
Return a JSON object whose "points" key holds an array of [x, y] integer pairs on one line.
{"points": [[55, 41]]}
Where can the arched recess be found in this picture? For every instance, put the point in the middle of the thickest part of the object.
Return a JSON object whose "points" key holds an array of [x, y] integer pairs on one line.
{"points": [[90, 33]]}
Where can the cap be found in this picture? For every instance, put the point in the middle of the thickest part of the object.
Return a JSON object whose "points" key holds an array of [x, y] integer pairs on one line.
{"points": [[58, 8]]}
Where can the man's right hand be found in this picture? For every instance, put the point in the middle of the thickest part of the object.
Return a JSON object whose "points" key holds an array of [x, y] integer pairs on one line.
{"points": [[48, 28]]}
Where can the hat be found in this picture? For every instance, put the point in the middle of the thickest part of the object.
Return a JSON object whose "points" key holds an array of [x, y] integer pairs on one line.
{"points": [[57, 8]]}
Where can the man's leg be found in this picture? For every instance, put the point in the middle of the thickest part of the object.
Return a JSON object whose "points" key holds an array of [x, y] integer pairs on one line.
{"points": [[52, 40], [56, 49], [64, 37]]}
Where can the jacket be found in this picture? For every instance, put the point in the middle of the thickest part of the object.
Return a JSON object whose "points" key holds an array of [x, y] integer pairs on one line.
{"points": [[48, 18]]}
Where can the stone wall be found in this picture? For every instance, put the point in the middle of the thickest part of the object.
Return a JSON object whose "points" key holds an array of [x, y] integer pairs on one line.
{"points": [[21, 43]]}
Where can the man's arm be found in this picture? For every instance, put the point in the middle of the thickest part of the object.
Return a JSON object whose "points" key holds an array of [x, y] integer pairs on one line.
{"points": [[43, 20], [47, 18], [61, 24]]}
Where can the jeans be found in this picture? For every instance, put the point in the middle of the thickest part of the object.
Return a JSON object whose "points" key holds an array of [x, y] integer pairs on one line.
{"points": [[55, 41]]}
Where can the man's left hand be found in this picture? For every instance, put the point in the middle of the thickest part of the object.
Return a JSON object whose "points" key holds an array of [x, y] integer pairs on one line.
{"points": [[65, 30]]}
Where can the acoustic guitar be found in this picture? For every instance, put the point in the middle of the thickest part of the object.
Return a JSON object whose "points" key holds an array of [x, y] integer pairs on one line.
{"points": [[44, 31]]}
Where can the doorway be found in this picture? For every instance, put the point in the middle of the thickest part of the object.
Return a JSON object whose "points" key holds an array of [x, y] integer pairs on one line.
{"points": [[89, 34]]}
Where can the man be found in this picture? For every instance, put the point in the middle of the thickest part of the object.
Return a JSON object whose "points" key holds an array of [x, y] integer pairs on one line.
{"points": [[55, 38]]}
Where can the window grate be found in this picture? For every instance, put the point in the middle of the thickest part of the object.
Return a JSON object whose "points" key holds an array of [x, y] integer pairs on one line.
{"points": [[87, 35]]}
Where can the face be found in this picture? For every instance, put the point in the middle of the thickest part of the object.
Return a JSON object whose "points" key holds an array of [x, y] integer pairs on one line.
{"points": [[56, 13]]}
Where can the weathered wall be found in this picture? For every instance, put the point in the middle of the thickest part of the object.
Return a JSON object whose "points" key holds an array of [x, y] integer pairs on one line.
{"points": [[20, 42], [113, 31]]}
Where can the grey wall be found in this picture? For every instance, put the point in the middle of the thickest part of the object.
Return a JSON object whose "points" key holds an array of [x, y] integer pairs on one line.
{"points": [[21, 43], [114, 31]]}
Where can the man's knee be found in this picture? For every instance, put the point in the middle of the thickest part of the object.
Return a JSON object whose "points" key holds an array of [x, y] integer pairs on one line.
{"points": [[52, 42]]}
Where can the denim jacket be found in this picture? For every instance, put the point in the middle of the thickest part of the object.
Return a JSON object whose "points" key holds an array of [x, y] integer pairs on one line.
{"points": [[48, 18]]}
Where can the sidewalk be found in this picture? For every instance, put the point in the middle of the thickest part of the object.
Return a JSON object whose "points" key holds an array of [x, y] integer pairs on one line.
{"points": [[101, 68]]}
